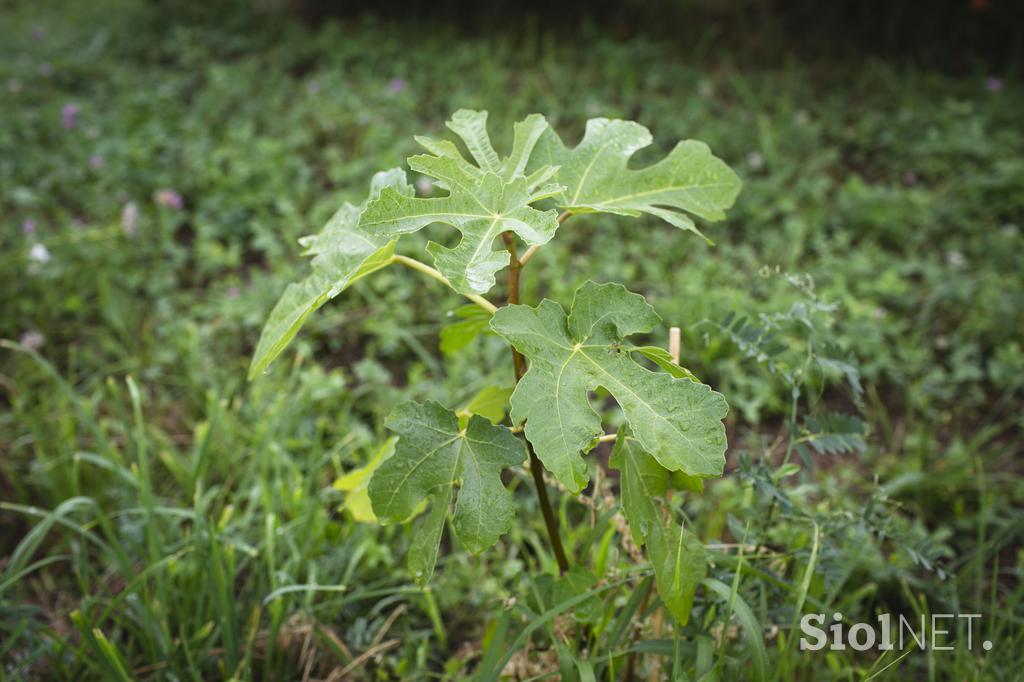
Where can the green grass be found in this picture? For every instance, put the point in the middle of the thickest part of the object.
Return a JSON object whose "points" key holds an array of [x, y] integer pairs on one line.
{"points": [[161, 518]]}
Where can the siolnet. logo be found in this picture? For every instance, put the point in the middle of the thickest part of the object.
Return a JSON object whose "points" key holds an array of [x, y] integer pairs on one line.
{"points": [[940, 632]]}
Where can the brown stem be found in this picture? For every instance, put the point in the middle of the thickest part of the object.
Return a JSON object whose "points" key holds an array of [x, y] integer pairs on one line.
{"points": [[536, 468]]}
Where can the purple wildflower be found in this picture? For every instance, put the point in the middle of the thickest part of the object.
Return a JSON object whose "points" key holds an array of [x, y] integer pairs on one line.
{"points": [[169, 198], [96, 161], [396, 85], [993, 84], [69, 116], [29, 227]]}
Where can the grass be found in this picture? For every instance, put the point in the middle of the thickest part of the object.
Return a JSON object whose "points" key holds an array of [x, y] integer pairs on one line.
{"points": [[162, 518]]}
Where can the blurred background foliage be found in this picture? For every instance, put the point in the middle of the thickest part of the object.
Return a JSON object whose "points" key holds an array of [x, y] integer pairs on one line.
{"points": [[862, 309]]}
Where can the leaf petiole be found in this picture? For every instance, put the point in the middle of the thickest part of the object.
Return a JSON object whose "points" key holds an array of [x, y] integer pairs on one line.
{"points": [[431, 272]]}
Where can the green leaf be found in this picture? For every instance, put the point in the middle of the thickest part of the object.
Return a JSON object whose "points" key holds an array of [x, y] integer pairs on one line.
{"points": [[342, 254], [355, 483], [426, 537], [433, 455], [677, 555], [753, 632], [491, 403], [471, 126], [473, 321], [483, 200], [681, 481], [642, 481], [677, 420], [597, 177], [679, 564], [662, 358]]}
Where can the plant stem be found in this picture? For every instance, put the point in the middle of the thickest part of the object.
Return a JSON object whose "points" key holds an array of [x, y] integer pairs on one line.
{"points": [[431, 272], [536, 468], [528, 254]]}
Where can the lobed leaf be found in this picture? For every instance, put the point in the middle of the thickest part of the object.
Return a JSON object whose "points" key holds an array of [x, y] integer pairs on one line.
{"points": [[433, 455], [483, 200], [597, 177], [677, 420], [342, 254]]}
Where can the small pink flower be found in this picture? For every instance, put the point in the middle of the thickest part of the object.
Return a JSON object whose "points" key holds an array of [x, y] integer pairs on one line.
{"points": [[32, 339], [96, 161], [396, 85], [69, 116], [169, 198], [993, 84], [130, 219], [29, 227]]}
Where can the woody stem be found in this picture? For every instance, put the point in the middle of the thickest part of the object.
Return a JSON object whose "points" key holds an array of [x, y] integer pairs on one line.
{"points": [[536, 468]]}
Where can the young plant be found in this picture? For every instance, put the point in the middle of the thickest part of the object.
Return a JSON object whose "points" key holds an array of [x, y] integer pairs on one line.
{"points": [[673, 432]]}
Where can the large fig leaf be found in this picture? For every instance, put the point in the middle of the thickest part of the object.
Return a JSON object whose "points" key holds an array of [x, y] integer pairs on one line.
{"points": [[677, 420], [676, 554], [596, 175], [483, 200], [432, 456], [342, 254]]}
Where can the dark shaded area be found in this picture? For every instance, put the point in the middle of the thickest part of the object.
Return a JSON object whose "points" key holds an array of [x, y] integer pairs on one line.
{"points": [[954, 35]]}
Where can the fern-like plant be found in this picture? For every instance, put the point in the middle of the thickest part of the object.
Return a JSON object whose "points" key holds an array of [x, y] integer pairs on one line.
{"points": [[449, 463]]}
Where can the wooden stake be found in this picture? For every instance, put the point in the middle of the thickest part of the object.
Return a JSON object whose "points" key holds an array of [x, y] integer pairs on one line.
{"points": [[674, 344]]}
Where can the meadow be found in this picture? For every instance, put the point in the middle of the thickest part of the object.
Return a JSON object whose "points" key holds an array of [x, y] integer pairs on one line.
{"points": [[162, 517]]}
